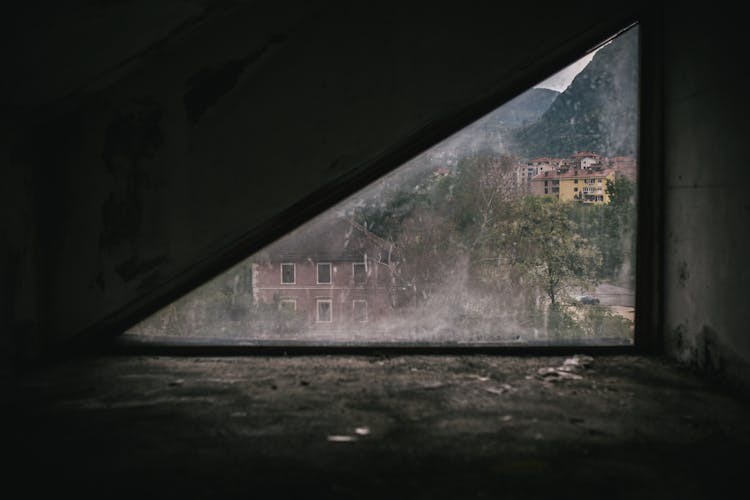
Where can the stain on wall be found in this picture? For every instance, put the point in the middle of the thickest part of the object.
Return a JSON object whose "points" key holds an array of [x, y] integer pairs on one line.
{"points": [[682, 273], [208, 85], [708, 242], [131, 138]]}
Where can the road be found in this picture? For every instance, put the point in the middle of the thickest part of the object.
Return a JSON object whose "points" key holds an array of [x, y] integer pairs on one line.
{"points": [[619, 300]]}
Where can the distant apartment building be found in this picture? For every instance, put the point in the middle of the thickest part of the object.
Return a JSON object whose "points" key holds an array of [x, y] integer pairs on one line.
{"points": [[530, 169], [574, 184], [582, 177], [584, 160]]}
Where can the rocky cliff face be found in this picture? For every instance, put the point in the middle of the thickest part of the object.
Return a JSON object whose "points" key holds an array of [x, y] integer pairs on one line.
{"points": [[597, 112]]}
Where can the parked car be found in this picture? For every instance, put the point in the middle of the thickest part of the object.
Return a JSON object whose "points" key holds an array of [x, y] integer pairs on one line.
{"points": [[587, 299]]}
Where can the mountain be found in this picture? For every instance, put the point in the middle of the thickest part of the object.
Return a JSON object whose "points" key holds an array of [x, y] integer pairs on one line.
{"points": [[523, 109], [598, 112], [489, 132]]}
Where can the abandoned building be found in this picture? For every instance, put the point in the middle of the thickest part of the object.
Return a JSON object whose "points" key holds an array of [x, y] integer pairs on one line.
{"points": [[149, 146], [335, 281]]}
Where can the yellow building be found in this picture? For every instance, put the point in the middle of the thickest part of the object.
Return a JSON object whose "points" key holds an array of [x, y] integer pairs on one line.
{"points": [[587, 186]]}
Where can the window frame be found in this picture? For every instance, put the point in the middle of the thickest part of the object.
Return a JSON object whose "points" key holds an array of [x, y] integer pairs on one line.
{"points": [[362, 301], [294, 273], [323, 300], [291, 300], [648, 337], [354, 273], [330, 273]]}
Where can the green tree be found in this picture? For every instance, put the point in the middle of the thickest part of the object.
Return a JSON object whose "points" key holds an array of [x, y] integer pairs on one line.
{"points": [[387, 219], [618, 246], [543, 242], [480, 195], [611, 228]]}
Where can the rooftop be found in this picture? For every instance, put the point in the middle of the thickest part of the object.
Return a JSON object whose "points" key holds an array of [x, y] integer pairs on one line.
{"points": [[584, 154], [330, 238], [575, 174]]}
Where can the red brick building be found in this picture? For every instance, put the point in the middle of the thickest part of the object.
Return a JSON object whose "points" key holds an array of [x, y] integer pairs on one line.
{"points": [[331, 274]]}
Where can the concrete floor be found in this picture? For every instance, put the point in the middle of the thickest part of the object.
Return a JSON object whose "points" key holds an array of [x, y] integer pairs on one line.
{"points": [[375, 427]]}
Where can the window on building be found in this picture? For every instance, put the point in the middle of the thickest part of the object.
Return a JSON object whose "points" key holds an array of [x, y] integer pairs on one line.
{"points": [[359, 311], [324, 273], [288, 274], [359, 271], [459, 250], [324, 310], [289, 305]]}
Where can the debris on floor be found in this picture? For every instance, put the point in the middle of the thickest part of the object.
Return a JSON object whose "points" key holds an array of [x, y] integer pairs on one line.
{"points": [[505, 388], [349, 438], [578, 361], [341, 438], [673, 434], [567, 371]]}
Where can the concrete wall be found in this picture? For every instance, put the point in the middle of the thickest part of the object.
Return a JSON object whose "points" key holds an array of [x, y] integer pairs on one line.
{"points": [[20, 298], [707, 243]]}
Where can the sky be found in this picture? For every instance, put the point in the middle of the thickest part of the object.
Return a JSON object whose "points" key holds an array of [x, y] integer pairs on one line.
{"points": [[560, 80]]}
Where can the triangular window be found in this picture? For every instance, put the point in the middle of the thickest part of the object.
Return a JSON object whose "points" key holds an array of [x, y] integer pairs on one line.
{"points": [[517, 230]]}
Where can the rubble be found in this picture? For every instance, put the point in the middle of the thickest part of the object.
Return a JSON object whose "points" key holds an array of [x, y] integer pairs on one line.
{"points": [[567, 371]]}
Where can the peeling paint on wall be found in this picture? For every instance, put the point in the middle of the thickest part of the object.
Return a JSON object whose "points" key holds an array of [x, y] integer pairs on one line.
{"points": [[209, 85], [133, 137], [130, 138]]}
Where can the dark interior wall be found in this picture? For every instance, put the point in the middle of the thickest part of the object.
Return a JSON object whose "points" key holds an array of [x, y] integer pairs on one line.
{"points": [[707, 206], [19, 311], [153, 142]]}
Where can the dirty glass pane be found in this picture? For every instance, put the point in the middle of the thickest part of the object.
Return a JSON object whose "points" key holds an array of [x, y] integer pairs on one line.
{"points": [[287, 274], [324, 310], [324, 273], [289, 305], [517, 230], [360, 310], [359, 270]]}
